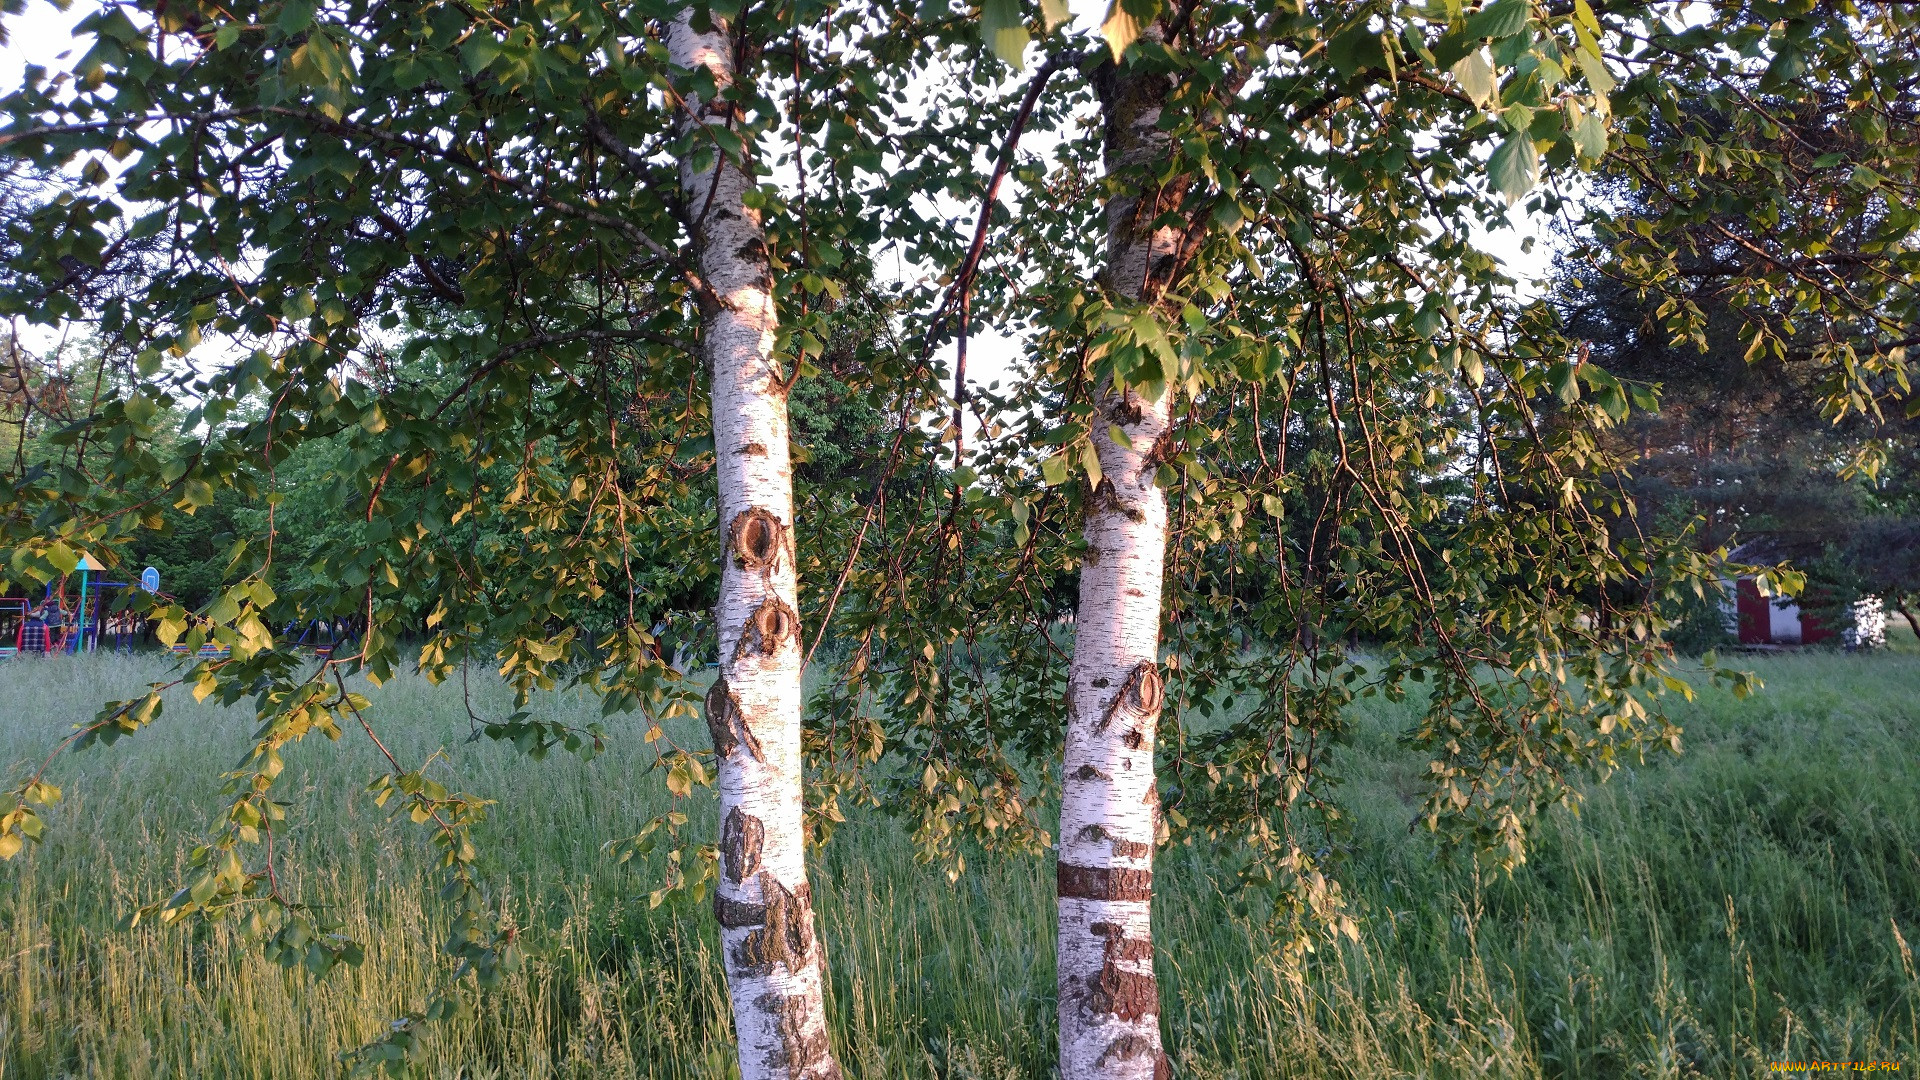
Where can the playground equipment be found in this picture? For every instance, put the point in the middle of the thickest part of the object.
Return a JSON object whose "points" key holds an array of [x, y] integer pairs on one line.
{"points": [[320, 635], [63, 624]]}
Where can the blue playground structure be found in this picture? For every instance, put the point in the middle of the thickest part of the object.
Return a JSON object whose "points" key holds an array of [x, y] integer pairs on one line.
{"points": [[60, 623]]}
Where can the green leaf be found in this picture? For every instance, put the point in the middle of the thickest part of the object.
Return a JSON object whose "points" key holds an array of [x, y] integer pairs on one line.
{"points": [[479, 51], [1514, 168], [1590, 136], [1499, 20], [1054, 469], [1475, 75], [1005, 30], [1595, 69], [1090, 461], [1358, 49], [295, 16], [1053, 13], [1566, 386], [1788, 64]]}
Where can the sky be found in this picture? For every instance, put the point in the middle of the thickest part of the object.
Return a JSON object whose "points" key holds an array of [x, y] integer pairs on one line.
{"points": [[42, 35]]}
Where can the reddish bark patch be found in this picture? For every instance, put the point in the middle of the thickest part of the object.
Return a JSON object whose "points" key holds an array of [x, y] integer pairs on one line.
{"points": [[1103, 883], [1127, 995], [1121, 947]]}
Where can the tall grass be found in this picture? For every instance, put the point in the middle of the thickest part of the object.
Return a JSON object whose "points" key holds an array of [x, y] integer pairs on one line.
{"points": [[1752, 900]]}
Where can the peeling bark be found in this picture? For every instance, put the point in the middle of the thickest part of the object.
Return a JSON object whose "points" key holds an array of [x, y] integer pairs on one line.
{"points": [[1109, 1001], [762, 900]]}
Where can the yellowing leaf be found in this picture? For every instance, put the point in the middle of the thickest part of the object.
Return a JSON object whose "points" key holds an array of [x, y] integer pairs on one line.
{"points": [[1584, 15], [1475, 75], [1120, 29]]}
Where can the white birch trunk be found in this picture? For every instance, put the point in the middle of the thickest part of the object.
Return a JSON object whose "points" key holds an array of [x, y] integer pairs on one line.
{"points": [[774, 961], [1110, 803]]}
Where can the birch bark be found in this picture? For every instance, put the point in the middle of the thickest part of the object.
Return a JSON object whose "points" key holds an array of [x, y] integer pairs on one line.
{"points": [[774, 962], [1110, 803]]}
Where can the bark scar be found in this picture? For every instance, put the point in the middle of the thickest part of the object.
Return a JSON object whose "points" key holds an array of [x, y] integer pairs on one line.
{"points": [[741, 839], [786, 936], [802, 1054], [1142, 694], [1125, 1048], [767, 629], [757, 538], [1107, 498], [727, 723]]}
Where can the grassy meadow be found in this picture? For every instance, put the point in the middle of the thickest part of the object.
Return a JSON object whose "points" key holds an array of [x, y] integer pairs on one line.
{"points": [[1751, 900]]}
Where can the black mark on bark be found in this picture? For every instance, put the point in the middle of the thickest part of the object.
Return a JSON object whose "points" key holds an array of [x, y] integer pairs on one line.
{"points": [[802, 1054], [727, 724], [1103, 883], [1125, 849], [741, 838], [787, 936]]}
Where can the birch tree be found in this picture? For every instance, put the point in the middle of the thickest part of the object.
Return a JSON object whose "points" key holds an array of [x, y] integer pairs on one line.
{"points": [[484, 259], [1373, 437], [775, 963], [1109, 802]]}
